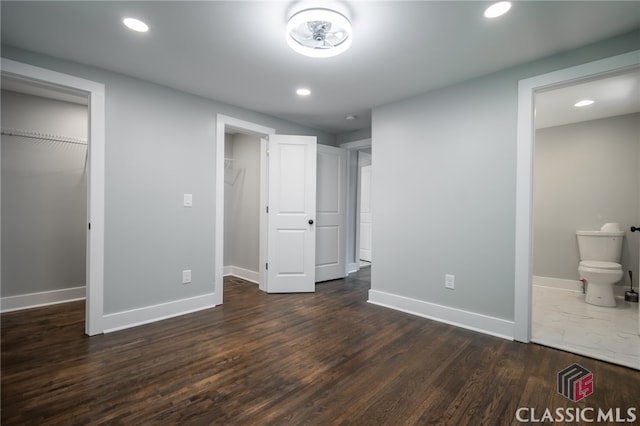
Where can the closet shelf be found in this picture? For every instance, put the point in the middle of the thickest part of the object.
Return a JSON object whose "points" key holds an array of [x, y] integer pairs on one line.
{"points": [[43, 136]]}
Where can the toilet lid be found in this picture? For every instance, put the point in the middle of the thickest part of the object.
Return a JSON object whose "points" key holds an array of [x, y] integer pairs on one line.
{"points": [[599, 264]]}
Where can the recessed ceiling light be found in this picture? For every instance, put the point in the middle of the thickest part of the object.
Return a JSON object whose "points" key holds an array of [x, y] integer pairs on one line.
{"points": [[351, 117], [497, 9], [319, 33], [303, 92], [135, 25], [583, 103]]}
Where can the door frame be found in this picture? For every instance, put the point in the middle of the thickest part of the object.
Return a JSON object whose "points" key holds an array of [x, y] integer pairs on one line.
{"points": [[94, 300], [524, 172], [224, 123], [353, 191]]}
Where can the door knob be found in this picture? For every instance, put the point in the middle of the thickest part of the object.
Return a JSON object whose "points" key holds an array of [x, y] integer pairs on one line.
{"points": [[310, 221], [635, 228]]}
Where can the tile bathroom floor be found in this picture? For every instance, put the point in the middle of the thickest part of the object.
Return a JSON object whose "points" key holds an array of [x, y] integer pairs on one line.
{"points": [[563, 320]]}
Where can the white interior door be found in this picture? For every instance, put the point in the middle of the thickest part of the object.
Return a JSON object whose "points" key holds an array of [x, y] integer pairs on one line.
{"points": [[331, 223], [291, 241], [365, 213]]}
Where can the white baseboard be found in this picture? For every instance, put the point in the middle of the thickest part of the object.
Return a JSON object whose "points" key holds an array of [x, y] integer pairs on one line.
{"points": [[44, 298], [245, 274], [558, 283], [472, 321], [148, 314]]}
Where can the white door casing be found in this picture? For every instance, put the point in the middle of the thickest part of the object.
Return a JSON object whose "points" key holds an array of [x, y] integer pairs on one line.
{"points": [[292, 208], [331, 218], [94, 308], [365, 214]]}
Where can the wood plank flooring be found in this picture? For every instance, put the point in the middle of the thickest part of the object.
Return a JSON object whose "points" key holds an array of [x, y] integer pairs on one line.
{"points": [[317, 359]]}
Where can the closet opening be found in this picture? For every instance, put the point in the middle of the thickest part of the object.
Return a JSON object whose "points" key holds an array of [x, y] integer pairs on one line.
{"points": [[44, 195], [242, 211]]}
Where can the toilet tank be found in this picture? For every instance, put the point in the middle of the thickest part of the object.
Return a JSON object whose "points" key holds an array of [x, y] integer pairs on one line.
{"points": [[600, 245]]}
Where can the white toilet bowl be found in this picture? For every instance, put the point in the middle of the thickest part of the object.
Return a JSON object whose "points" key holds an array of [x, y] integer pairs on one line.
{"points": [[600, 277]]}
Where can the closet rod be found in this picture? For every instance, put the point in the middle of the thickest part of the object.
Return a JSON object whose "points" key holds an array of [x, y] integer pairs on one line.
{"points": [[43, 136]]}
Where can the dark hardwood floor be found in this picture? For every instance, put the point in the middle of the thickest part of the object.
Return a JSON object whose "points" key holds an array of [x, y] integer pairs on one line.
{"points": [[318, 359]]}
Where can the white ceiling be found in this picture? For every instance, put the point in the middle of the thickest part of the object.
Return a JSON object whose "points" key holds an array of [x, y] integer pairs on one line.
{"points": [[235, 51], [613, 95]]}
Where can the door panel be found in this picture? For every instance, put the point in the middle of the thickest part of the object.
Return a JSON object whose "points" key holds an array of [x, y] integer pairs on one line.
{"points": [[331, 213], [365, 214], [292, 205]]}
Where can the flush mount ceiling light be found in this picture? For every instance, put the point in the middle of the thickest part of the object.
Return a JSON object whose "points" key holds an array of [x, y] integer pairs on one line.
{"points": [[319, 33], [583, 103], [303, 92], [135, 25], [497, 9]]}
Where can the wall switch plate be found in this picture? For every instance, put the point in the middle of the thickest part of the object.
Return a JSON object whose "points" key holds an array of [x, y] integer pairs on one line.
{"points": [[186, 276], [449, 281], [188, 200]]}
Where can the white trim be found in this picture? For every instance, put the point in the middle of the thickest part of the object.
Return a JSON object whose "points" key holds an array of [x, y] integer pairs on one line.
{"points": [[264, 216], [353, 267], [470, 320], [557, 283], [222, 122], [245, 274], [43, 298], [524, 173], [149, 314], [95, 181]]}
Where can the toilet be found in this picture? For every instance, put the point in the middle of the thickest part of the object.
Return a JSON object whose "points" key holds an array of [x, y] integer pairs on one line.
{"points": [[600, 253]]}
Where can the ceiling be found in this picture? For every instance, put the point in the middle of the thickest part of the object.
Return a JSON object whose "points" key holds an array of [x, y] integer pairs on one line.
{"points": [[613, 95], [235, 51]]}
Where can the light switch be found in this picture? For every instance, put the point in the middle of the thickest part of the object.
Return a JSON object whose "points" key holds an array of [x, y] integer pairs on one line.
{"points": [[188, 200]]}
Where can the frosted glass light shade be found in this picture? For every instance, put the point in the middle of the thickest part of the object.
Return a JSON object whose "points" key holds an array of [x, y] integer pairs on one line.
{"points": [[319, 33]]}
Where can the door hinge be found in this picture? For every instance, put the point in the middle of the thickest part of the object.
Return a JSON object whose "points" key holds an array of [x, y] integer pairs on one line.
{"points": [[267, 209], [266, 266], [89, 226]]}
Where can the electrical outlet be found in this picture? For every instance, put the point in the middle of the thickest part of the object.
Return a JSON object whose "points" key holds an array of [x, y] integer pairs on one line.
{"points": [[186, 276], [449, 281]]}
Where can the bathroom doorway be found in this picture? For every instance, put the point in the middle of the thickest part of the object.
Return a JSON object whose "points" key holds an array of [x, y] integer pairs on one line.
{"points": [[586, 173]]}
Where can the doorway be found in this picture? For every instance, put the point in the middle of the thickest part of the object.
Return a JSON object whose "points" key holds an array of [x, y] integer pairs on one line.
{"points": [[586, 174], [366, 212], [44, 220], [229, 125], [242, 206], [359, 154], [46, 81], [524, 193]]}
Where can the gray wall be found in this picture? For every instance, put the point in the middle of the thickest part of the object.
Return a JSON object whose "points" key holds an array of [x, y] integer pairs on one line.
{"points": [[44, 197], [242, 202], [353, 136], [444, 172], [160, 144], [586, 174]]}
